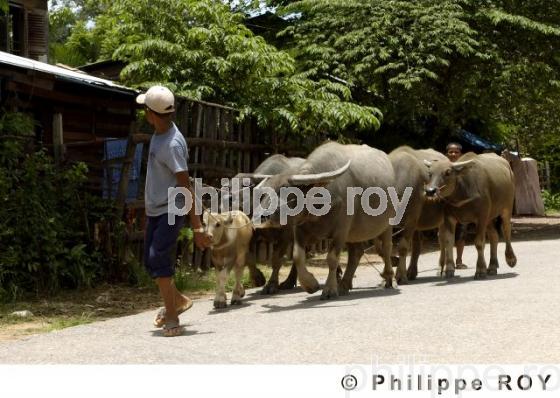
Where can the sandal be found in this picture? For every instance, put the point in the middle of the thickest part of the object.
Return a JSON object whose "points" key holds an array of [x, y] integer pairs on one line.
{"points": [[172, 329], [159, 320]]}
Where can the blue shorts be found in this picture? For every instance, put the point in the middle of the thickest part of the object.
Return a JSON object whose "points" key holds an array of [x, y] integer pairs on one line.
{"points": [[160, 245]]}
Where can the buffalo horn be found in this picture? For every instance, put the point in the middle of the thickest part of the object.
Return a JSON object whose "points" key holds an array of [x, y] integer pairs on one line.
{"points": [[308, 179], [459, 165], [254, 177]]}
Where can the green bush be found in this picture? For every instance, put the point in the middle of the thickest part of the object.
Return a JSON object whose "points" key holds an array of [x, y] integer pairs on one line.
{"points": [[551, 201], [45, 217]]}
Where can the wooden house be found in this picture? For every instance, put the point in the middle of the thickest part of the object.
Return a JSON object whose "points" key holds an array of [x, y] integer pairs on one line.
{"points": [[75, 113], [24, 30]]}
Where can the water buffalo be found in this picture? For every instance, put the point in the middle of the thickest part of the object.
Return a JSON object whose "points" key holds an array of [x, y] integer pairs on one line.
{"points": [[230, 233], [475, 189], [337, 168], [281, 237], [420, 214]]}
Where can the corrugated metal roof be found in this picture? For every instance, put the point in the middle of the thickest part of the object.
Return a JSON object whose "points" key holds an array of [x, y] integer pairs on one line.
{"points": [[79, 77]]}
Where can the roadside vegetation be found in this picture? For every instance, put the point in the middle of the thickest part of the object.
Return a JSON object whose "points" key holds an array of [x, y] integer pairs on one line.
{"points": [[551, 202], [69, 308], [45, 217]]}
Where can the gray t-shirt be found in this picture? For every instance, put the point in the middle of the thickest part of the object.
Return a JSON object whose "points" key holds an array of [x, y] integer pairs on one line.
{"points": [[168, 155]]}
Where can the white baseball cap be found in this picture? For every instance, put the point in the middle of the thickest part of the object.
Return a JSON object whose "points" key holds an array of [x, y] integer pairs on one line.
{"points": [[159, 99]]}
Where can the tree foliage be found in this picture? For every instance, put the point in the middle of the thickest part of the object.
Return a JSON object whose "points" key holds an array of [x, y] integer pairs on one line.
{"points": [[430, 66], [435, 65], [202, 50], [390, 52], [71, 41]]}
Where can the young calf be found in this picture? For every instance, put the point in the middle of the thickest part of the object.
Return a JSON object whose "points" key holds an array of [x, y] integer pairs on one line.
{"points": [[231, 234]]}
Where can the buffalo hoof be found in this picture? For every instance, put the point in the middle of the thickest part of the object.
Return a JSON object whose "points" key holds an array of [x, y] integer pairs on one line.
{"points": [[219, 304], [411, 274], [258, 278], [329, 294], [342, 291], [480, 275], [389, 279], [236, 301], [448, 274], [402, 279], [311, 289], [389, 284], [310, 284], [344, 288], [270, 288], [492, 271], [511, 261], [287, 285]]}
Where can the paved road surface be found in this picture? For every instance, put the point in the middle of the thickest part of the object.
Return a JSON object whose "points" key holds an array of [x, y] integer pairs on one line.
{"points": [[511, 318]]}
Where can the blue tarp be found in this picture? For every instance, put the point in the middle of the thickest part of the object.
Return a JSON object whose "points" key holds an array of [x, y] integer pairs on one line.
{"points": [[472, 142], [113, 149]]}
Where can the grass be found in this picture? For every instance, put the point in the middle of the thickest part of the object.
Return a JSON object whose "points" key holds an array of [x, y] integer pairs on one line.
{"points": [[188, 281], [62, 323], [72, 308], [79, 307], [13, 327]]}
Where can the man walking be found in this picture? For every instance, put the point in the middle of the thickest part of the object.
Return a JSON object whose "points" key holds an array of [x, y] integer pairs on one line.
{"points": [[167, 168], [454, 152]]}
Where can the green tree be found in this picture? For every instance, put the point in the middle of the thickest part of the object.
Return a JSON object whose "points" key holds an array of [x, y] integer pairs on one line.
{"points": [[525, 88], [435, 65], [72, 39], [202, 50]]}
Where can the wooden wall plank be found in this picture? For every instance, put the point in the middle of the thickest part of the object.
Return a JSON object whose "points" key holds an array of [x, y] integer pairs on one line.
{"points": [[58, 138]]}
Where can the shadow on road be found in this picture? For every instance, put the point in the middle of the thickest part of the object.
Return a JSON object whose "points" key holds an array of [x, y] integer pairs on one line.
{"points": [[462, 278], [470, 278], [257, 295], [186, 332], [425, 279], [314, 301], [234, 307]]}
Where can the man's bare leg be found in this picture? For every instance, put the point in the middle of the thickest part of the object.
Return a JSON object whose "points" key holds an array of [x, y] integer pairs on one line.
{"points": [[460, 245], [168, 293], [181, 302]]}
